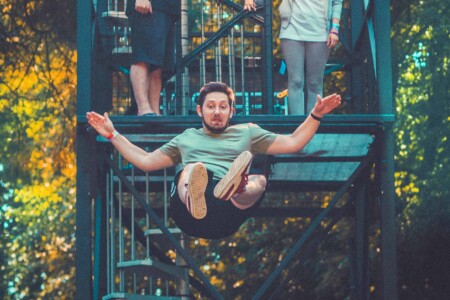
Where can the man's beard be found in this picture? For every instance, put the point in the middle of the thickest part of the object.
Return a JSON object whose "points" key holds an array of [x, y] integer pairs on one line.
{"points": [[215, 129]]}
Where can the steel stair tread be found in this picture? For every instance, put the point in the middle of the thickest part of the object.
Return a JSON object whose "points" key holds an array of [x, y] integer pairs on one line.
{"points": [[153, 268], [128, 296], [157, 231]]}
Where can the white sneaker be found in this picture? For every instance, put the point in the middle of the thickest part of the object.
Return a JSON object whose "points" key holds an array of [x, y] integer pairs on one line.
{"points": [[195, 190], [236, 178]]}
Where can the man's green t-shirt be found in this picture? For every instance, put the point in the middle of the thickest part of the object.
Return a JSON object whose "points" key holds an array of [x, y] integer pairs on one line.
{"points": [[218, 150]]}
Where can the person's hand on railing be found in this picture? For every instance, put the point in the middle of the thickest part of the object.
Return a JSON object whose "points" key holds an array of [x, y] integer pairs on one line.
{"points": [[143, 6], [250, 5]]}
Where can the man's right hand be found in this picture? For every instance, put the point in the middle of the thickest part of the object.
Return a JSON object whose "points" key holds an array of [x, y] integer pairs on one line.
{"points": [[143, 7], [102, 124]]}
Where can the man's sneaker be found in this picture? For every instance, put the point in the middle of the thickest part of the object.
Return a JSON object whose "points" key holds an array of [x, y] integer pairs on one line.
{"points": [[236, 178], [195, 193]]}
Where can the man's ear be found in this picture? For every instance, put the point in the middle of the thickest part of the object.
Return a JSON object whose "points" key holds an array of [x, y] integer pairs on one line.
{"points": [[232, 112], [199, 111]]}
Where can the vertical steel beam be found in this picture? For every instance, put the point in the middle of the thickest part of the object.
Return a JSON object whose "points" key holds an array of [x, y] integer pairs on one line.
{"points": [[179, 100], [101, 91], [100, 264], [184, 36], [356, 14], [83, 219], [84, 49], [182, 285], [361, 241], [83, 203], [384, 82], [102, 79], [267, 52]]}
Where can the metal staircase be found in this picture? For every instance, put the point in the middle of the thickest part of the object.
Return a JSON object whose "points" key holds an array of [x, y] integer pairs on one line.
{"points": [[140, 275], [134, 272], [147, 256]]}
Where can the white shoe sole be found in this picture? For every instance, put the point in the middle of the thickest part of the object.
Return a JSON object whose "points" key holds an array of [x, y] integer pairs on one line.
{"points": [[197, 182], [226, 187]]}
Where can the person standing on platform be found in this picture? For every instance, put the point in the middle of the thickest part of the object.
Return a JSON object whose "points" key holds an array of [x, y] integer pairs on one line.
{"points": [[213, 194], [309, 30], [152, 26]]}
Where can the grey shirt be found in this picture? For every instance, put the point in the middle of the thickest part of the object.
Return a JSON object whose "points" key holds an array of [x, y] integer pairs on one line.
{"points": [[308, 20]]}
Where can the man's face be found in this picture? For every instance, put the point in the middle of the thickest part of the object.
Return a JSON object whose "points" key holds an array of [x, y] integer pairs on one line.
{"points": [[215, 112]]}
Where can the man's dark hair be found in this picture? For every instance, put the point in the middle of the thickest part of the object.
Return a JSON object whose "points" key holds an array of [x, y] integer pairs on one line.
{"points": [[215, 86]]}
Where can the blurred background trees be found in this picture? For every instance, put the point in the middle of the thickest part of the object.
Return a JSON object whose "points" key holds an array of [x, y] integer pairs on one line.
{"points": [[37, 157], [421, 49]]}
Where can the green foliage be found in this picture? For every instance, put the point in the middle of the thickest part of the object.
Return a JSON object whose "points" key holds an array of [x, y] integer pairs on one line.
{"points": [[37, 159], [421, 50]]}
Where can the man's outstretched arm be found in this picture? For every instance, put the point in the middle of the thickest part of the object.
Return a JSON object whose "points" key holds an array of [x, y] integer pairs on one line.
{"points": [[146, 161], [303, 134]]}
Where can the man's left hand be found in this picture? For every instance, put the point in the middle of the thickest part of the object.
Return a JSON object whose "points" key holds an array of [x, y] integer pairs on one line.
{"points": [[326, 105]]}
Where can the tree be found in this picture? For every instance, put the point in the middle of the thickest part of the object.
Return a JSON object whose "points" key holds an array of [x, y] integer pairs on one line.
{"points": [[421, 52], [37, 109]]}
